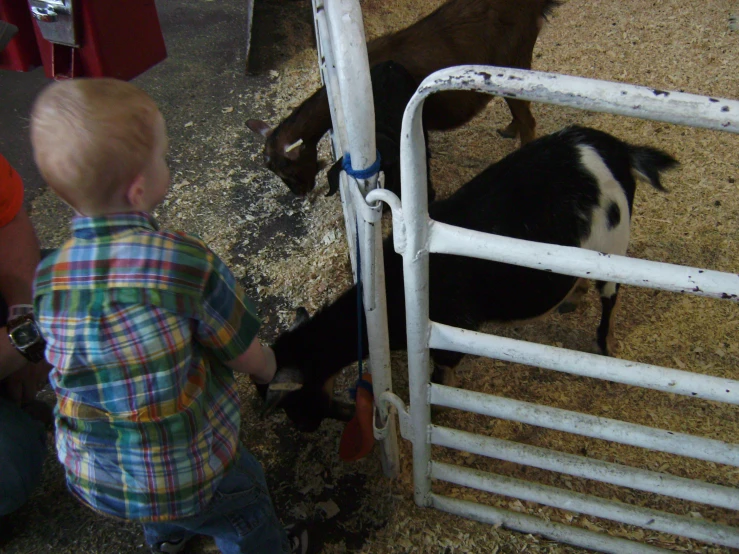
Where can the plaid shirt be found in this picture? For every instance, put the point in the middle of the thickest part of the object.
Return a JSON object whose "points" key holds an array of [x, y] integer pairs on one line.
{"points": [[138, 323]]}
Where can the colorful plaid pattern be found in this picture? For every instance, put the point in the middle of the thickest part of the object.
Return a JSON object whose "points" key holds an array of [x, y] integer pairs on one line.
{"points": [[138, 323]]}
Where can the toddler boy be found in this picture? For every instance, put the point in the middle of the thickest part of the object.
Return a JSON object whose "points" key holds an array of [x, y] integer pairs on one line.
{"points": [[145, 329]]}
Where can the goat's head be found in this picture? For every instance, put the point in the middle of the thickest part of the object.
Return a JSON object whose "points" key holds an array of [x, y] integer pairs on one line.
{"points": [[306, 403], [293, 161]]}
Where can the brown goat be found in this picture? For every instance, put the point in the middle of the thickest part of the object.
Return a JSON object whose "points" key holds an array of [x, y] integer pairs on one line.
{"points": [[461, 32]]}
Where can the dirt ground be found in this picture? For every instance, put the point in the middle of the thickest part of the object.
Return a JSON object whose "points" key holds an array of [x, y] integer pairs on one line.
{"points": [[291, 252]]}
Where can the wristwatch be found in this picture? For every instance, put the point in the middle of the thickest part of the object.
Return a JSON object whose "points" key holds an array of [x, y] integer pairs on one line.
{"points": [[25, 337]]}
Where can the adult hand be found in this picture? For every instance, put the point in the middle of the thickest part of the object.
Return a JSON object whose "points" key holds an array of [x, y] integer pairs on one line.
{"points": [[21, 387]]}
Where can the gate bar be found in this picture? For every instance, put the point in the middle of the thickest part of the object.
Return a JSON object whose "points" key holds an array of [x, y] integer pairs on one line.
{"points": [[578, 262], [532, 524], [587, 468], [682, 108], [448, 239], [655, 520], [613, 430], [445, 337]]}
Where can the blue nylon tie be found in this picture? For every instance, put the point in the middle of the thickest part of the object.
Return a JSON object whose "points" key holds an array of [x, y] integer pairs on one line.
{"points": [[346, 165]]}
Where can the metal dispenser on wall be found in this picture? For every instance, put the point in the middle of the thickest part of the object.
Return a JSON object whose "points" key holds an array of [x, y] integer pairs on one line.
{"points": [[55, 20]]}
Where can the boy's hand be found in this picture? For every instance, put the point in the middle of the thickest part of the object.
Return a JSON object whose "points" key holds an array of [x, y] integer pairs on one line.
{"points": [[258, 362]]}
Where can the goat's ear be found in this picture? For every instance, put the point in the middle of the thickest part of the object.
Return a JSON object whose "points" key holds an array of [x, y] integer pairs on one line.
{"points": [[285, 381], [334, 178], [301, 316], [259, 127]]}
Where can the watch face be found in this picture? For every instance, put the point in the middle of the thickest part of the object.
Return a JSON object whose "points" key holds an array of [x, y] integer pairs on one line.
{"points": [[25, 334]]}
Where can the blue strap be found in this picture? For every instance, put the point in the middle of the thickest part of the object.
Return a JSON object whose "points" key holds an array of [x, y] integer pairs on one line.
{"points": [[361, 173], [360, 309], [362, 384]]}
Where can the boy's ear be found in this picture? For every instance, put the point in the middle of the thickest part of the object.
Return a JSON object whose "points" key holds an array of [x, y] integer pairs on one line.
{"points": [[135, 193]]}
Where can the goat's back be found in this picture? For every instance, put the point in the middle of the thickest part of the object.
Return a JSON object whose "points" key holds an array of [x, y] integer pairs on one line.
{"points": [[491, 32], [464, 32], [571, 188]]}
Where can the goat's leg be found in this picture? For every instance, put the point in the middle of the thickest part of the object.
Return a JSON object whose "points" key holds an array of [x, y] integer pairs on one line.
{"points": [[608, 299], [523, 124], [445, 363], [571, 303]]}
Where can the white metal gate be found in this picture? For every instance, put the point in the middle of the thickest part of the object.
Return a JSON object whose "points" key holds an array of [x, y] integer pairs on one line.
{"points": [[417, 236], [345, 71]]}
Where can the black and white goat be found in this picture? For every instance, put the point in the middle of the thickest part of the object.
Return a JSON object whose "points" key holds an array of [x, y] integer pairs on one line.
{"points": [[393, 87], [574, 188]]}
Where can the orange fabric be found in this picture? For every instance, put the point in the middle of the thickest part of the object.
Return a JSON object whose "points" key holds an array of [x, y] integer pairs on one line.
{"points": [[11, 192], [358, 437]]}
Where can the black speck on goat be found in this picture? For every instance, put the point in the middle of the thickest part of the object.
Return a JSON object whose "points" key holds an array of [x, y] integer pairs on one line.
{"points": [[392, 89], [574, 188], [460, 32]]}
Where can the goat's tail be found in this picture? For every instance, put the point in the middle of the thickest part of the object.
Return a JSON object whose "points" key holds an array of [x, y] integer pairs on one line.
{"points": [[648, 162], [548, 8]]}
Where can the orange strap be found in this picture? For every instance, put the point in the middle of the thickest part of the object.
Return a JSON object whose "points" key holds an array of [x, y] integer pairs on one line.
{"points": [[11, 192]]}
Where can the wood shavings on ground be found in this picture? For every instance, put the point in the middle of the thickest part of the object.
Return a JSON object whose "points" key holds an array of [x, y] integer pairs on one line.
{"points": [[291, 252]]}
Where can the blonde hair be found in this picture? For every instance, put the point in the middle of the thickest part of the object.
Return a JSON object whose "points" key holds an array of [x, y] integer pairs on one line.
{"points": [[91, 138]]}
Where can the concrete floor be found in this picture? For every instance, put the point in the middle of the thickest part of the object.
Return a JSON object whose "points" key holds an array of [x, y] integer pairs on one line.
{"points": [[205, 45]]}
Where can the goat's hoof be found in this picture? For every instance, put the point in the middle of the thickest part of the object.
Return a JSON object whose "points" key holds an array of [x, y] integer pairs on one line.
{"points": [[508, 133], [606, 349], [595, 348]]}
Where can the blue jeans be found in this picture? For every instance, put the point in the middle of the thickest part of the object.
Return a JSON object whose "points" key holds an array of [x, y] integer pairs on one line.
{"points": [[22, 453], [240, 517]]}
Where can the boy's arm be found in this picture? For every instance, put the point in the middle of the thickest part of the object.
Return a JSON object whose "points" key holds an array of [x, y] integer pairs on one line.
{"points": [[229, 325], [258, 362]]}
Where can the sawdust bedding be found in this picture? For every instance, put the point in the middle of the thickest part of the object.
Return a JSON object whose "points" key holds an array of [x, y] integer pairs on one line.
{"points": [[671, 45]]}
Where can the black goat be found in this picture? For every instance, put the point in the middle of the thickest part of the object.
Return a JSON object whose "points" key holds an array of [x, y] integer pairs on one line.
{"points": [[574, 188], [392, 89]]}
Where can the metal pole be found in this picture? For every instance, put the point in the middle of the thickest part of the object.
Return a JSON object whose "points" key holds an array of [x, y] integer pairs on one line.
{"points": [[330, 79], [346, 28], [352, 65], [416, 281]]}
